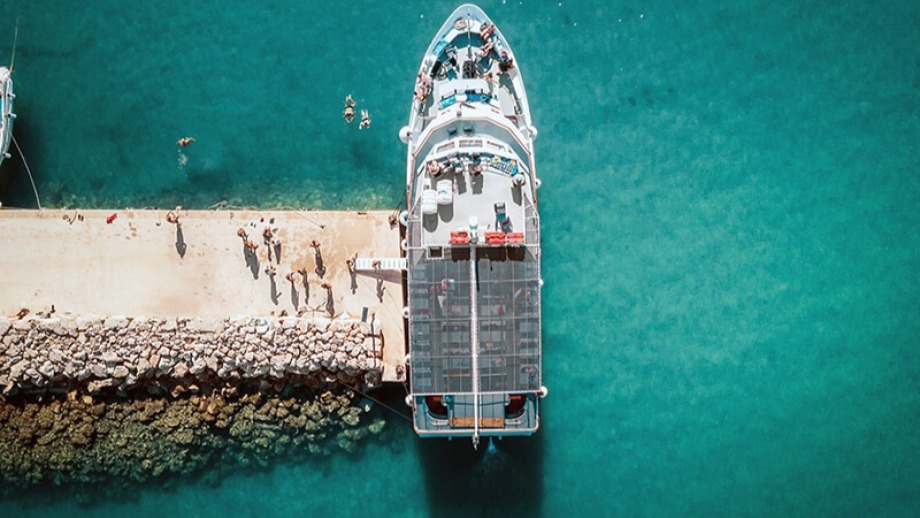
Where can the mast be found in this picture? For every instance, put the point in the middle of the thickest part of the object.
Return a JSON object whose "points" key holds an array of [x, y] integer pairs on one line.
{"points": [[474, 343]]}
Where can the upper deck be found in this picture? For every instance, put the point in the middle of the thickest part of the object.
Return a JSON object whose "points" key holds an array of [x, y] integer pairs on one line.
{"points": [[469, 64]]}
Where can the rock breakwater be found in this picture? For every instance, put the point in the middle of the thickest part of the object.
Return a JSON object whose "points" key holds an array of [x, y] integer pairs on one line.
{"points": [[96, 354], [81, 440]]}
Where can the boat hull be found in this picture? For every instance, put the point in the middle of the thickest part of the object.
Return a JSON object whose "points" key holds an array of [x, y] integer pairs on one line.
{"points": [[472, 238]]}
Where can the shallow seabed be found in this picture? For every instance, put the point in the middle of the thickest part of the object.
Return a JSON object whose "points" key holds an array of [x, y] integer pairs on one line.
{"points": [[729, 208]]}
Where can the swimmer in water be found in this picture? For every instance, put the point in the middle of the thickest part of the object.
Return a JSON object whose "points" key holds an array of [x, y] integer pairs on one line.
{"points": [[349, 114], [365, 120], [185, 141]]}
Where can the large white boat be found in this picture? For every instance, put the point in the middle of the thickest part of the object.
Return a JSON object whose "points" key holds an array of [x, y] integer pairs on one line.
{"points": [[472, 238], [6, 112]]}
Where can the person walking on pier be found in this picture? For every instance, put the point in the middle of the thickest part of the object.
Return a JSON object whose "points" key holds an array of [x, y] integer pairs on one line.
{"points": [[352, 273], [267, 235], [173, 217]]}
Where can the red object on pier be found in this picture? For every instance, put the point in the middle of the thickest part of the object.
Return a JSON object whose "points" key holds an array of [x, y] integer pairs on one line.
{"points": [[111, 218]]}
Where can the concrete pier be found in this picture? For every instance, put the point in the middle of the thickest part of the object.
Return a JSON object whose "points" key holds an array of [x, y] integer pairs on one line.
{"points": [[85, 262]]}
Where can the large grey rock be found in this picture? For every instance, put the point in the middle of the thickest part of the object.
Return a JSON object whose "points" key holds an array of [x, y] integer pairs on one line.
{"points": [[165, 364], [98, 370], [47, 369], [281, 361], [143, 367], [19, 369], [5, 325], [22, 325], [85, 322], [198, 366], [115, 322], [180, 370], [97, 385], [120, 372]]}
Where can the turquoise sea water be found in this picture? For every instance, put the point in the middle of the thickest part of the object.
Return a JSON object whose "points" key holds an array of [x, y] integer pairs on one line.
{"points": [[730, 212]]}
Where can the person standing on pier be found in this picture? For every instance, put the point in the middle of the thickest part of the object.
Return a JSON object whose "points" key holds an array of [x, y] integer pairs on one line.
{"points": [[352, 273], [173, 217]]}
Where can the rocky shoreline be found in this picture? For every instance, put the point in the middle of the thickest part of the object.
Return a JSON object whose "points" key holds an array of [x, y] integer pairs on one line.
{"points": [[94, 354], [121, 400], [80, 440]]}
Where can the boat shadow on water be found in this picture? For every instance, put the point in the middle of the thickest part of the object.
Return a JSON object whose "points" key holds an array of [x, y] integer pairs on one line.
{"points": [[15, 188], [503, 478]]}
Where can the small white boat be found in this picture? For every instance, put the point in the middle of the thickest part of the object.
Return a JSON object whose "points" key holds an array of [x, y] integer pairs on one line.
{"points": [[6, 112]]}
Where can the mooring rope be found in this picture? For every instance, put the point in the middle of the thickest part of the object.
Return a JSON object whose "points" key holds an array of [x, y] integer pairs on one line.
{"points": [[375, 400], [26, 163]]}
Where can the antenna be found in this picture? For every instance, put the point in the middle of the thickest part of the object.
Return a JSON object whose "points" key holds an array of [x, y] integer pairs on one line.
{"points": [[15, 39]]}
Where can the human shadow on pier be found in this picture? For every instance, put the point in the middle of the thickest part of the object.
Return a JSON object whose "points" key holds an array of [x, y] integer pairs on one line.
{"points": [[295, 297], [330, 302], [276, 295], [320, 268], [252, 261], [380, 289], [306, 291], [181, 247], [505, 479], [394, 276], [353, 275], [318, 257]]}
